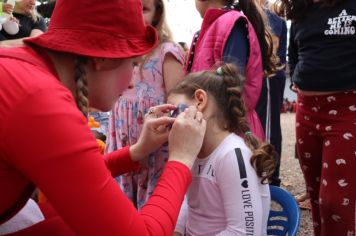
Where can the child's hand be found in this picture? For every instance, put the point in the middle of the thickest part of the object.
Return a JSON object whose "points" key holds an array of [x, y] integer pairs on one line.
{"points": [[7, 8], [14, 19]]}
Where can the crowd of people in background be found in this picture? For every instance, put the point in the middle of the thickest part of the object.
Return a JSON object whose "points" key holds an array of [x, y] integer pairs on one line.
{"points": [[188, 130], [289, 106], [23, 16]]}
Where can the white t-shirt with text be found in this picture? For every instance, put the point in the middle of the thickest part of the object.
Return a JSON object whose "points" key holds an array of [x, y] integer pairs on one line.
{"points": [[226, 197]]}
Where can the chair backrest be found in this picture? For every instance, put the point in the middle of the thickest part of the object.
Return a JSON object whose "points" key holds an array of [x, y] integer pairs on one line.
{"points": [[286, 220]]}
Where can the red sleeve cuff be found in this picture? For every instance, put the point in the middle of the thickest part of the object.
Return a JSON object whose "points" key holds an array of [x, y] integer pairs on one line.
{"points": [[120, 162], [162, 208]]}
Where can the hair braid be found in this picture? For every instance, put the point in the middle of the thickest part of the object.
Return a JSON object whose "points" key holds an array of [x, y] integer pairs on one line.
{"points": [[263, 157], [225, 86], [235, 110], [81, 85]]}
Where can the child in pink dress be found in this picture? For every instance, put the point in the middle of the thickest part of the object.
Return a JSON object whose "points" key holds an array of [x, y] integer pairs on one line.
{"points": [[158, 73]]}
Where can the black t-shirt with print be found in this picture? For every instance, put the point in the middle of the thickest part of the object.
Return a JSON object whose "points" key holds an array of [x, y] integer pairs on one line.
{"points": [[322, 49], [27, 24]]}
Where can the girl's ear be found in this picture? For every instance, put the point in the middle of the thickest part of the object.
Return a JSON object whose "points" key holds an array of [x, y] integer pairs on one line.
{"points": [[201, 99]]}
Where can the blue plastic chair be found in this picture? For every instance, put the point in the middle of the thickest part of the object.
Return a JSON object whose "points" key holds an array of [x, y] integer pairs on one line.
{"points": [[286, 221]]}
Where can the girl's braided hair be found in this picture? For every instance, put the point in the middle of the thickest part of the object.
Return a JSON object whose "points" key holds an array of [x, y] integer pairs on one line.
{"points": [[225, 85]]}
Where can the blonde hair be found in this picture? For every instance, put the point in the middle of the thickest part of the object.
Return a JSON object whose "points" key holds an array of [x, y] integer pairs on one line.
{"points": [[35, 16], [163, 30]]}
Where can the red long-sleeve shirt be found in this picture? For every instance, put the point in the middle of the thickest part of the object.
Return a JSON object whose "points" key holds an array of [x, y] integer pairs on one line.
{"points": [[45, 140]]}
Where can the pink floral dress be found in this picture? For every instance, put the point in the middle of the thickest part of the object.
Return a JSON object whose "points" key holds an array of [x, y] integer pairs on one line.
{"points": [[125, 123]]}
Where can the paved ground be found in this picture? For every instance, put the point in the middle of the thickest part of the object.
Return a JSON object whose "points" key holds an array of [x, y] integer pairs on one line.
{"points": [[291, 174]]}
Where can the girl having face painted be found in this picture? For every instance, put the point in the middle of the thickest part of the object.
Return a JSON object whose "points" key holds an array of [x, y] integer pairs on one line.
{"points": [[228, 194]]}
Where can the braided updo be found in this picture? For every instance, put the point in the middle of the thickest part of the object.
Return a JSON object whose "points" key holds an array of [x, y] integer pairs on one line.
{"points": [[226, 86]]}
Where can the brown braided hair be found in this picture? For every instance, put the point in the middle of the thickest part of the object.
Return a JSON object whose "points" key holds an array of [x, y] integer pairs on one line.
{"points": [[81, 97], [226, 88]]}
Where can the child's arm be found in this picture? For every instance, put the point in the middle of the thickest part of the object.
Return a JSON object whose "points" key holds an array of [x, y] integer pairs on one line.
{"points": [[39, 28], [239, 191], [237, 52], [282, 49], [292, 52], [11, 43], [172, 65]]}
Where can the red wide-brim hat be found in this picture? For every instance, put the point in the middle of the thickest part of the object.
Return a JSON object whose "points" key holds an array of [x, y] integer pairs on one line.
{"points": [[97, 28]]}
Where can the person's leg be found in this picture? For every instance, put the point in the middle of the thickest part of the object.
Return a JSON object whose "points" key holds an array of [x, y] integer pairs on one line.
{"points": [[276, 97], [309, 146], [302, 197], [338, 192]]}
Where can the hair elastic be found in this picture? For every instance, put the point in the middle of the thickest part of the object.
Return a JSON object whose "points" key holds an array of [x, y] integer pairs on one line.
{"points": [[248, 133], [219, 71]]}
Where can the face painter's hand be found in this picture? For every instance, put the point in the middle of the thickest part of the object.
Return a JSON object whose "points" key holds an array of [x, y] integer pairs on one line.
{"points": [[186, 136], [154, 133]]}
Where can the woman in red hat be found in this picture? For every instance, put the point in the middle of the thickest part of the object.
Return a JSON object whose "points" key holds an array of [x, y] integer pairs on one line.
{"points": [[45, 89]]}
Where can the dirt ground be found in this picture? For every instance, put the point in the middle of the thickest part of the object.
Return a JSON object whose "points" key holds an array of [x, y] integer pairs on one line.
{"points": [[291, 175]]}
